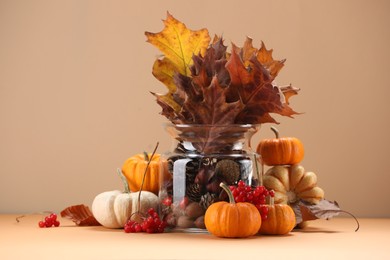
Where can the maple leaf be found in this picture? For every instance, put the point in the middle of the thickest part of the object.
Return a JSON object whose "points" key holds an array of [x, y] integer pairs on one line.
{"points": [[213, 109], [264, 56], [256, 91]]}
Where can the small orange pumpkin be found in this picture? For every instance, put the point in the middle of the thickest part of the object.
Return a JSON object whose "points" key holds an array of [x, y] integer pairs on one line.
{"points": [[231, 219], [134, 169], [280, 151], [280, 220]]}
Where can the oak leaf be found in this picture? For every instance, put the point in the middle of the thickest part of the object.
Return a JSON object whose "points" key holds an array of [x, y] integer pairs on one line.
{"points": [[179, 44], [325, 209]]}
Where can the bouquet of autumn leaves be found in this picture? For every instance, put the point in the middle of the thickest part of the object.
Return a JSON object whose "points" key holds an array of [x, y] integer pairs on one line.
{"points": [[207, 85]]}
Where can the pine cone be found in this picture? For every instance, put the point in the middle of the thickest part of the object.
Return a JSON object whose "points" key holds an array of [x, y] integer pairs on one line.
{"points": [[228, 170], [194, 192], [191, 171], [207, 199]]}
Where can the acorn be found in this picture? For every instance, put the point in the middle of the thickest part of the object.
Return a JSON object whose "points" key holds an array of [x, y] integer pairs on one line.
{"points": [[194, 210]]}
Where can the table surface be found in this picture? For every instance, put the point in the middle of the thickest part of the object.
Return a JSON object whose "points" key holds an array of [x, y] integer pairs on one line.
{"points": [[322, 239]]}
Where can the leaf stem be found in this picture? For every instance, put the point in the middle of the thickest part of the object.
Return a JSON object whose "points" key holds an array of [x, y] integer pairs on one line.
{"points": [[357, 222]]}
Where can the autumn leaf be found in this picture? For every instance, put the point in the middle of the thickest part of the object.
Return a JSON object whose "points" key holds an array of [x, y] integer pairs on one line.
{"points": [[248, 51], [209, 85], [164, 70], [256, 91], [325, 209], [264, 56], [179, 44], [213, 109]]}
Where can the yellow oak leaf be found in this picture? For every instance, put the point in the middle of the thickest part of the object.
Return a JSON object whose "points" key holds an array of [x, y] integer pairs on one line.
{"points": [[164, 70], [179, 44]]}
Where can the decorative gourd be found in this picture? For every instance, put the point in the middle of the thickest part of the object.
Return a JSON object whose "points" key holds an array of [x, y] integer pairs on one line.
{"points": [[280, 220], [292, 183], [280, 151], [230, 219], [113, 208], [134, 170]]}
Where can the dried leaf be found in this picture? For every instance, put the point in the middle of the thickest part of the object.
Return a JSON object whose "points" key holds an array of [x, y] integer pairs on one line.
{"points": [[213, 109], [256, 91], [80, 214], [248, 51], [164, 70], [179, 44], [238, 84], [325, 209], [289, 91], [264, 56]]}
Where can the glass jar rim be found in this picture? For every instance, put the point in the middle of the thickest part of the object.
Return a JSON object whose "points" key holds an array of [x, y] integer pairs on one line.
{"points": [[212, 125]]}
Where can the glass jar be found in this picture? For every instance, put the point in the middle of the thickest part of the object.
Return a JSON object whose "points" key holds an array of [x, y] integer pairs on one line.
{"points": [[201, 158]]}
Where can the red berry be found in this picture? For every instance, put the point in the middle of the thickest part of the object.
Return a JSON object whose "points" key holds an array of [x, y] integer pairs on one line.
{"points": [[167, 201], [127, 229], [151, 211], [149, 230], [138, 228], [56, 223], [41, 224], [48, 224], [272, 193], [53, 217]]}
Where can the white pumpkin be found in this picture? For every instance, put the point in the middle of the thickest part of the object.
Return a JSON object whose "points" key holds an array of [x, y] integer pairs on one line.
{"points": [[113, 208]]}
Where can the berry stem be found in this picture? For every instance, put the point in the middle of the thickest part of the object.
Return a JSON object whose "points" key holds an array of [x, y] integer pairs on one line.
{"points": [[149, 160], [33, 213], [259, 175], [275, 131], [228, 191]]}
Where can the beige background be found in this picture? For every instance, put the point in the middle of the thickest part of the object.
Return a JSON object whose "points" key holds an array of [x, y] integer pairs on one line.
{"points": [[75, 78]]}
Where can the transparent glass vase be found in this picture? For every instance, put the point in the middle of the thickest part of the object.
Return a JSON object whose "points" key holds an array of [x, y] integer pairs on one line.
{"points": [[201, 157]]}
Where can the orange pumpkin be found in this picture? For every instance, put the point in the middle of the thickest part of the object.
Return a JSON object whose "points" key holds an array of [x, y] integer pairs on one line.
{"points": [[134, 169], [280, 151], [230, 219], [280, 219]]}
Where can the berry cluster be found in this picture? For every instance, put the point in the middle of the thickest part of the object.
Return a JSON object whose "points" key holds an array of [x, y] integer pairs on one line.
{"points": [[50, 221], [257, 196], [150, 224]]}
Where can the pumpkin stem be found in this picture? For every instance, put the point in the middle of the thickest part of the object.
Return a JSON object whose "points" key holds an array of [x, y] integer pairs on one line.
{"points": [[146, 156], [275, 131], [124, 180], [271, 200], [228, 191], [149, 160]]}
